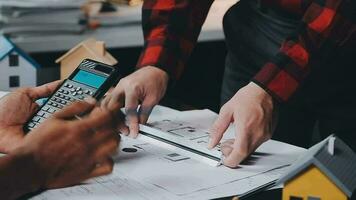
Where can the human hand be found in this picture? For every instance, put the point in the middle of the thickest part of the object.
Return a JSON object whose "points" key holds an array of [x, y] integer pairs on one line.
{"points": [[15, 109], [251, 111], [67, 151], [145, 87]]}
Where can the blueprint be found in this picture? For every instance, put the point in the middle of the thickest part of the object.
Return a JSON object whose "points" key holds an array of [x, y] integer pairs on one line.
{"points": [[146, 168]]}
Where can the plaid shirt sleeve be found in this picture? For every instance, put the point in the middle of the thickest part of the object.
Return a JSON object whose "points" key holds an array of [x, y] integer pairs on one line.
{"points": [[171, 29], [326, 25]]}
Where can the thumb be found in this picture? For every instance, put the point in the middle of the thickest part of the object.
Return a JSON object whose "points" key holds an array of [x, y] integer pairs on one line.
{"points": [[219, 127], [44, 90], [241, 148]]}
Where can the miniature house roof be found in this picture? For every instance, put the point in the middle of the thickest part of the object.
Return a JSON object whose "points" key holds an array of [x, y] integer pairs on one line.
{"points": [[334, 158], [7, 47], [93, 47]]}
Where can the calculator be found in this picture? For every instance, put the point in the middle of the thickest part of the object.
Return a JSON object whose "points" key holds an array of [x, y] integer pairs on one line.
{"points": [[90, 78]]}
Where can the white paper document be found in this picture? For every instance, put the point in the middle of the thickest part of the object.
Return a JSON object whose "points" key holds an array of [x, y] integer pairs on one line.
{"points": [[147, 168]]}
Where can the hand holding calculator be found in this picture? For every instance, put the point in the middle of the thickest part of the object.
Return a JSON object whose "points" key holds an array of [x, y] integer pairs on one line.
{"points": [[90, 79]]}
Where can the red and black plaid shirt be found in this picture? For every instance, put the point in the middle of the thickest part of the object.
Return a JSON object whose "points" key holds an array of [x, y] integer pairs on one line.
{"points": [[171, 29]]}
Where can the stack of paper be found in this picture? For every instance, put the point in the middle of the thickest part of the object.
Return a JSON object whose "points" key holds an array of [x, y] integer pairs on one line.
{"points": [[109, 15], [146, 168], [31, 17]]}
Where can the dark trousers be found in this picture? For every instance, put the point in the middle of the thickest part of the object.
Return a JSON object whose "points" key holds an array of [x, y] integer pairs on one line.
{"points": [[324, 104]]}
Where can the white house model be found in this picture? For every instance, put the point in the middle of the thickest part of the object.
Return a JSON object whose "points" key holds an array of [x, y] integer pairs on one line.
{"points": [[17, 69]]}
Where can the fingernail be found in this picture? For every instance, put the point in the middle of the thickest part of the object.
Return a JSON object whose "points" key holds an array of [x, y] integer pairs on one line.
{"points": [[90, 100]]}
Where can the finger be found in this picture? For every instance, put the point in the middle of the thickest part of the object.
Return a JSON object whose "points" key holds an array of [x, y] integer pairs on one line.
{"points": [[103, 168], [228, 142], [122, 128], [226, 150], [105, 101], [227, 146], [145, 111], [75, 109], [115, 100], [241, 148], [131, 102], [44, 90], [97, 120], [107, 146], [219, 127], [119, 122]]}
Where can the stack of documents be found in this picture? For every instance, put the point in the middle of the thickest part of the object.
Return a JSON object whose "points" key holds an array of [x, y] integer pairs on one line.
{"points": [[155, 166], [31, 17], [115, 15]]}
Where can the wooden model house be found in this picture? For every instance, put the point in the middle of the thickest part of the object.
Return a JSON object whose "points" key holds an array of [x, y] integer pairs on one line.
{"points": [[91, 49], [326, 172], [17, 69]]}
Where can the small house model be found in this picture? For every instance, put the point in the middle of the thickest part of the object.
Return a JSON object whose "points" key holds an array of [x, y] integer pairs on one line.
{"points": [[326, 172], [89, 49], [17, 69]]}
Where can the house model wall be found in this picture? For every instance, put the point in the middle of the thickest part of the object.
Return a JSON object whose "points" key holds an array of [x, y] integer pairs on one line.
{"points": [[327, 171], [89, 49], [17, 69]]}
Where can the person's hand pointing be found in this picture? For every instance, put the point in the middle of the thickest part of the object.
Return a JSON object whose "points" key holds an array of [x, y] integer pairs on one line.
{"points": [[251, 110], [138, 93]]}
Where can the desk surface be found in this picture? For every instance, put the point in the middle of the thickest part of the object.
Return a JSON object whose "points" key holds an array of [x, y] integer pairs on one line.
{"points": [[122, 36]]}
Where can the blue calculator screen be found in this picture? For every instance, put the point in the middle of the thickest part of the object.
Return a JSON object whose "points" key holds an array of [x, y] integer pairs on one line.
{"points": [[88, 78]]}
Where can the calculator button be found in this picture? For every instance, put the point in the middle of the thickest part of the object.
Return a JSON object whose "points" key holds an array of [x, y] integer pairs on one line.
{"points": [[58, 100], [60, 90], [66, 92], [72, 90], [36, 119], [55, 104], [61, 96], [87, 92], [80, 92], [67, 98], [50, 103], [57, 94], [63, 102], [45, 108], [74, 93], [51, 110], [46, 115], [41, 120], [41, 113], [70, 85], [31, 124], [78, 89], [81, 97]]}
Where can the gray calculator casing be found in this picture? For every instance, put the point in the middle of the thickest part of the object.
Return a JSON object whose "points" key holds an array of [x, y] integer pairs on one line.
{"points": [[70, 91]]}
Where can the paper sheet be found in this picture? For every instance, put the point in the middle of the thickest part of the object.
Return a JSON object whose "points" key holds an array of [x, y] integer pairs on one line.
{"points": [[238, 188], [153, 170]]}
